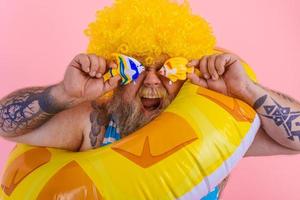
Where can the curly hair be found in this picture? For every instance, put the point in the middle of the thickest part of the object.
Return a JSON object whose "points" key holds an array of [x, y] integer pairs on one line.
{"points": [[149, 29]]}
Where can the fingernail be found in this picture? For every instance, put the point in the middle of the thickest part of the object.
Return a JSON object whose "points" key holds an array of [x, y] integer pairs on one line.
{"points": [[93, 73], [113, 65], [98, 75], [206, 76], [214, 77]]}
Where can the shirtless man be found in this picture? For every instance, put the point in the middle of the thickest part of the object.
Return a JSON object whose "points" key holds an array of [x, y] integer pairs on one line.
{"points": [[72, 115]]}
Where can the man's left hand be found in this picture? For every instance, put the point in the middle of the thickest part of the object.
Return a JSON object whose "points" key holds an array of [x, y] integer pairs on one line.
{"points": [[222, 73]]}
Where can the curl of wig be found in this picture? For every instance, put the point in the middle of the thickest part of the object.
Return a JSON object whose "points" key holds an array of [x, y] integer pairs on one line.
{"points": [[149, 29]]}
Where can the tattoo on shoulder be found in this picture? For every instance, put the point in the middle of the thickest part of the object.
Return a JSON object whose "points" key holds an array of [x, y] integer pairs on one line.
{"points": [[98, 121], [26, 109], [282, 116]]}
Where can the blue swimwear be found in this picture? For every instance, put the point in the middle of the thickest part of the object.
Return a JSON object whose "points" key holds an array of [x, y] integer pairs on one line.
{"points": [[214, 195], [112, 134]]}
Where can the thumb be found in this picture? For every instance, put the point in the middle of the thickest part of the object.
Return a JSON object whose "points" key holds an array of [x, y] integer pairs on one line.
{"points": [[197, 80], [111, 83]]}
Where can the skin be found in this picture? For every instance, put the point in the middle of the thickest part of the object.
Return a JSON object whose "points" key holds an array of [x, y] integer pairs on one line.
{"points": [[70, 115]]}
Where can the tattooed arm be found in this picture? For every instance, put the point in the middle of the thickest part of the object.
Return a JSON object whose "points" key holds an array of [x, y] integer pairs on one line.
{"points": [[27, 109], [78, 128], [44, 116], [64, 130], [279, 113]]}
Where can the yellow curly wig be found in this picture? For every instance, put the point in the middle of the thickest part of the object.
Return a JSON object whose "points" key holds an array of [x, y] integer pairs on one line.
{"points": [[149, 29]]}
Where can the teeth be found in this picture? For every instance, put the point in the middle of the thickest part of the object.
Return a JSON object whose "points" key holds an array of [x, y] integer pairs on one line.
{"points": [[151, 94], [151, 97]]}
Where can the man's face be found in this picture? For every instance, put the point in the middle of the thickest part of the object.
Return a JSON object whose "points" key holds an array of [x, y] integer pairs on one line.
{"points": [[136, 104]]}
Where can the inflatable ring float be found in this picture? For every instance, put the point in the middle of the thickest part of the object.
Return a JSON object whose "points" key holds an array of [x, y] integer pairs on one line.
{"points": [[182, 154]]}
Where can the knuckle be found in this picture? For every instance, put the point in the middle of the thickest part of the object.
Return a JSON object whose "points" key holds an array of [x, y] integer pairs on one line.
{"points": [[203, 63], [222, 58], [212, 56], [219, 63], [211, 60], [211, 67], [80, 55], [203, 68], [92, 55], [203, 59], [219, 68], [238, 61], [226, 54], [230, 56], [102, 60]]}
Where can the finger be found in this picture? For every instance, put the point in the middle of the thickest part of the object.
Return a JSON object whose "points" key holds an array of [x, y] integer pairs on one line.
{"points": [[111, 83], [102, 67], [220, 64], [217, 85], [193, 63], [113, 65], [84, 62], [211, 67], [197, 80], [230, 59], [94, 64], [94, 88], [203, 67]]}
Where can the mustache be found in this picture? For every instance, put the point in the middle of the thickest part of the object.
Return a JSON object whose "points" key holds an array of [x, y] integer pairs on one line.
{"points": [[148, 92], [128, 114]]}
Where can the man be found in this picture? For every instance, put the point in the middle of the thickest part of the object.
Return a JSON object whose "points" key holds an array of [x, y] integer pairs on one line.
{"points": [[73, 115], [65, 115]]}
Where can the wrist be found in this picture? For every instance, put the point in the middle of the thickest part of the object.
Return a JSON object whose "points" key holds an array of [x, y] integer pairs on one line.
{"points": [[251, 93], [62, 99]]}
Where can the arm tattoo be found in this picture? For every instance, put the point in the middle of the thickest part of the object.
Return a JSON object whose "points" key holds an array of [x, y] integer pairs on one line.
{"points": [[98, 121], [282, 116], [260, 101], [26, 109]]}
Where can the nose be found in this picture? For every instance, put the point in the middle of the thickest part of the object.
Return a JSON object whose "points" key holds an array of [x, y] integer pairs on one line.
{"points": [[152, 79]]}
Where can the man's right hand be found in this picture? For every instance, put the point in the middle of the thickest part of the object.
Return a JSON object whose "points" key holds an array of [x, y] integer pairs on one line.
{"points": [[83, 79]]}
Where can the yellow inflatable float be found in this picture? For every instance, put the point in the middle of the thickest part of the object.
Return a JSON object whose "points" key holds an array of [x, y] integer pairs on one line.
{"points": [[183, 154]]}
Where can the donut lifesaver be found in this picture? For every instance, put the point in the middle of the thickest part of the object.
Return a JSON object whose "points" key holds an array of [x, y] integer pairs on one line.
{"points": [[182, 154]]}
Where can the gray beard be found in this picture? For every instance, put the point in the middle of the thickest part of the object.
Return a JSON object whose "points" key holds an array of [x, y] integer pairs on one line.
{"points": [[129, 116]]}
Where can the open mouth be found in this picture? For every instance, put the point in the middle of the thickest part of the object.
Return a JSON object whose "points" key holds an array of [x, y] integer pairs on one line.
{"points": [[151, 104]]}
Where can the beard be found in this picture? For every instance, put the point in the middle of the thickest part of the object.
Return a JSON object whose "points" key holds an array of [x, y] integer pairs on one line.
{"points": [[129, 115]]}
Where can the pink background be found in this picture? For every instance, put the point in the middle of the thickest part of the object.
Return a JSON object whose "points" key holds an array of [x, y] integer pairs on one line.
{"points": [[39, 38]]}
